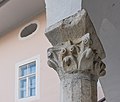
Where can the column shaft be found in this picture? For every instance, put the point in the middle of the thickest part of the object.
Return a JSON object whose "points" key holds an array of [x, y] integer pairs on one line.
{"points": [[78, 88]]}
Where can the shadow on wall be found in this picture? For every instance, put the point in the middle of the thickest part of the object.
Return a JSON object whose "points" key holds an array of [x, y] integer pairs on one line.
{"points": [[105, 15], [100, 9]]}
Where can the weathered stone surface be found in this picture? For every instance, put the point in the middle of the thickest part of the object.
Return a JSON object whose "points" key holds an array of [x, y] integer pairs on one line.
{"points": [[79, 67], [77, 58], [74, 27]]}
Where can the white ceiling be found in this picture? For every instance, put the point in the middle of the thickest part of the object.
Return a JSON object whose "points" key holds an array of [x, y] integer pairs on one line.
{"points": [[16, 11]]}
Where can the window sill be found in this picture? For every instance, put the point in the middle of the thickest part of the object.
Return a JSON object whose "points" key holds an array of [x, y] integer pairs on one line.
{"points": [[28, 99]]}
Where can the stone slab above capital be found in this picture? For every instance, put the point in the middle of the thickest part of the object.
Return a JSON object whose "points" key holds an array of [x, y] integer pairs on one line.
{"points": [[74, 27]]}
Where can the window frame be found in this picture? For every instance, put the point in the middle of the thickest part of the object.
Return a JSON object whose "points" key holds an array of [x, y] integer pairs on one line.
{"points": [[17, 79]]}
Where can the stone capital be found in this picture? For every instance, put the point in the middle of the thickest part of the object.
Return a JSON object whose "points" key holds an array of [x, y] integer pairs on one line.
{"points": [[76, 56]]}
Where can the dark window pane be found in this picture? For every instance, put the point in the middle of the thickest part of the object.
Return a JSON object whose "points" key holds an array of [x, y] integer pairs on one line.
{"points": [[28, 30], [22, 88], [32, 92], [22, 93], [23, 84], [23, 70], [32, 86], [32, 67]]}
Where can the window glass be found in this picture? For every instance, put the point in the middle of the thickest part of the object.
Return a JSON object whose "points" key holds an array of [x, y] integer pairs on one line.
{"points": [[23, 70], [28, 30], [32, 85], [23, 88], [32, 68]]}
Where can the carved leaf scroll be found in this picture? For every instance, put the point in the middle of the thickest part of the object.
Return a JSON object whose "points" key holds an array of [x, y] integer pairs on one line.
{"points": [[76, 56]]}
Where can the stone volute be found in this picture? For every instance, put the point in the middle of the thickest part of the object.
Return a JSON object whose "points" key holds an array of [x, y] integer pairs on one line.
{"points": [[76, 56]]}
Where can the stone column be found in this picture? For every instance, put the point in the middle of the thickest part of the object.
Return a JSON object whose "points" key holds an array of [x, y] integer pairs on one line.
{"points": [[76, 56]]}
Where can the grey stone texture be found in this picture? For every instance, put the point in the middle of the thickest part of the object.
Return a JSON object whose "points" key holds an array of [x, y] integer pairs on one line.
{"points": [[76, 56], [74, 27]]}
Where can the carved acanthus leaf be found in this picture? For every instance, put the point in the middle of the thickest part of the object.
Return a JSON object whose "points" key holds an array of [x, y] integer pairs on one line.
{"points": [[76, 56]]}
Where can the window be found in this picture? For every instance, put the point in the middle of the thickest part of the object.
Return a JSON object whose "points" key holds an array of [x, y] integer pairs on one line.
{"points": [[27, 81], [29, 30]]}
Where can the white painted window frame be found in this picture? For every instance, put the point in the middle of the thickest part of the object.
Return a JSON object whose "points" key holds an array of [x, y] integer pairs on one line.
{"points": [[37, 96]]}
